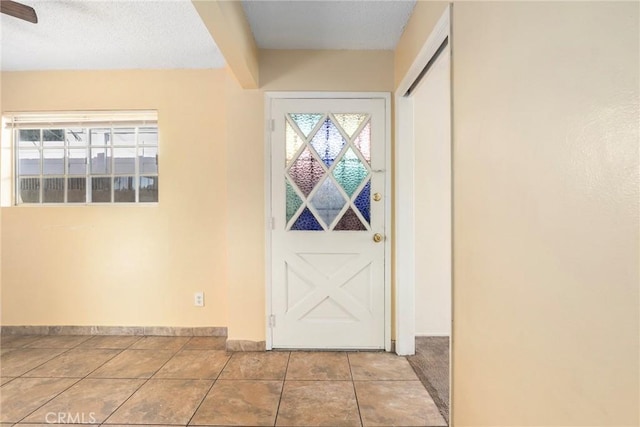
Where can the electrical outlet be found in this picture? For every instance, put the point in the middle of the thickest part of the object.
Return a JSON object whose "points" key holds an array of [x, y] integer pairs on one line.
{"points": [[198, 299]]}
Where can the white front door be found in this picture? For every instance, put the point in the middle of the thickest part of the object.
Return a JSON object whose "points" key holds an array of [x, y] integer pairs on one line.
{"points": [[328, 223]]}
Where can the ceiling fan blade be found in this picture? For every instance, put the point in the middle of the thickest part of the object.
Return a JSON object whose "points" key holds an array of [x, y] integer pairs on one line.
{"points": [[18, 10]]}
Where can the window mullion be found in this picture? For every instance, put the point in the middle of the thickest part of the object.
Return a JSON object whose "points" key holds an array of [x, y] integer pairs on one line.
{"points": [[41, 167]]}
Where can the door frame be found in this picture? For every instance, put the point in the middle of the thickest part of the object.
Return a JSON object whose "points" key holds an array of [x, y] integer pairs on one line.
{"points": [[405, 186], [271, 96]]}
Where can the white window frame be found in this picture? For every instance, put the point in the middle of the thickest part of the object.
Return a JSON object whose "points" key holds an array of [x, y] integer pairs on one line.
{"points": [[112, 120]]}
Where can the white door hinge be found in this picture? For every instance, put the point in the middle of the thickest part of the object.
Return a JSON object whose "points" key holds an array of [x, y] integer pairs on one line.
{"points": [[273, 223], [273, 124], [272, 321]]}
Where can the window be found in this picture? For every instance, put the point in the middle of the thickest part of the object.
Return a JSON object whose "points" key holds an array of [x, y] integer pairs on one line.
{"points": [[93, 160]]}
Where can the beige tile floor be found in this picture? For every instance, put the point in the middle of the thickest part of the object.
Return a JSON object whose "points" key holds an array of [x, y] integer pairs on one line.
{"points": [[178, 381]]}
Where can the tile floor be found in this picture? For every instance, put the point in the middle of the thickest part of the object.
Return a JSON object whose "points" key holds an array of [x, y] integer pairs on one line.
{"points": [[125, 380]]}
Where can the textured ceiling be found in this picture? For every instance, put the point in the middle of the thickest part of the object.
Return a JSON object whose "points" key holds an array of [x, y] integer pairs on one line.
{"points": [[84, 34], [354, 24]]}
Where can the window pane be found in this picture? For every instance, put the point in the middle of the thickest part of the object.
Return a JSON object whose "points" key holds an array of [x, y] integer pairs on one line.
{"points": [[148, 188], [148, 136], [124, 160], [100, 137], [350, 172], [29, 190], [76, 190], [306, 222], [350, 122], [101, 190], [306, 171], [124, 136], [53, 161], [124, 189], [293, 142], [53, 137], [77, 137], [77, 161], [328, 142], [101, 160], [53, 190], [148, 160], [306, 122], [328, 201], [29, 162], [350, 221], [29, 137]]}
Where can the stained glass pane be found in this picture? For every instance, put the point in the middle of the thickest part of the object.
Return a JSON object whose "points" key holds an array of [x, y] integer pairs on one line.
{"points": [[363, 142], [328, 142], [350, 172], [293, 142], [363, 202], [349, 221], [293, 202], [328, 201], [306, 171], [350, 122], [306, 221], [306, 122]]}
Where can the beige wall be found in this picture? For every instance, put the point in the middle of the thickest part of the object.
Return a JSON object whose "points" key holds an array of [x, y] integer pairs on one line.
{"points": [[546, 119], [424, 17], [125, 265], [207, 237]]}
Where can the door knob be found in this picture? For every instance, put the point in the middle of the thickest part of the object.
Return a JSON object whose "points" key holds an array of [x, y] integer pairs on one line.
{"points": [[377, 197], [377, 237]]}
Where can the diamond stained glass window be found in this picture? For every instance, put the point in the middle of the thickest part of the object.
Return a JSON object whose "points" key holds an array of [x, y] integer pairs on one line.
{"points": [[328, 201], [306, 122], [314, 198], [363, 142], [350, 172], [293, 202], [328, 142], [350, 122], [307, 221], [350, 222], [363, 202], [306, 171], [293, 142]]}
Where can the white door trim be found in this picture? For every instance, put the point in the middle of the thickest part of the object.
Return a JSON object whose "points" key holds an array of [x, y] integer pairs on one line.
{"points": [[269, 97], [404, 186]]}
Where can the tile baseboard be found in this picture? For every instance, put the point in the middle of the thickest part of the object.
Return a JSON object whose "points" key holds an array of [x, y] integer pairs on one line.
{"points": [[244, 345], [169, 331]]}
